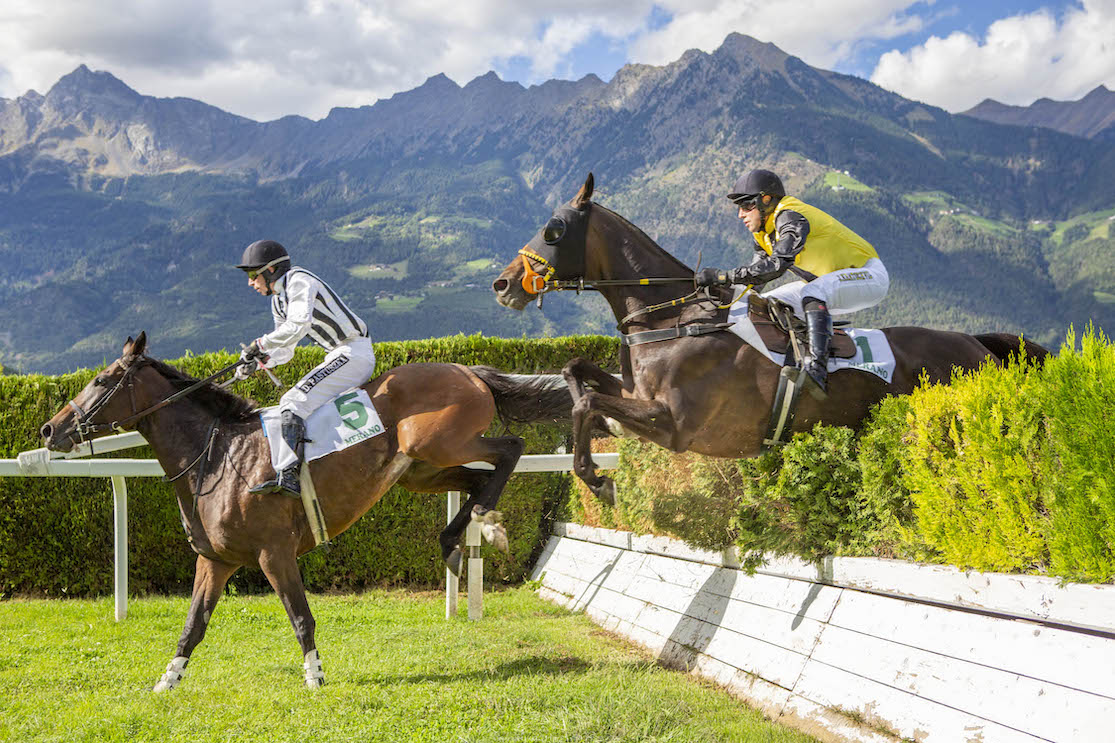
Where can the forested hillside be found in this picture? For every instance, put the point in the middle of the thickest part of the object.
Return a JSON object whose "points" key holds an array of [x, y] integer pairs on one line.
{"points": [[121, 212]]}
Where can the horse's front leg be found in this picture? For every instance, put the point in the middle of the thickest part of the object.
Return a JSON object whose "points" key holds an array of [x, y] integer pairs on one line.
{"points": [[281, 568], [578, 372], [649, 419], [210, 577]]}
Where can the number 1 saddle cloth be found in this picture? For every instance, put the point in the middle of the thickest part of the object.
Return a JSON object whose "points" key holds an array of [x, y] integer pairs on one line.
{"points": [[754, 320], [347, 419]]}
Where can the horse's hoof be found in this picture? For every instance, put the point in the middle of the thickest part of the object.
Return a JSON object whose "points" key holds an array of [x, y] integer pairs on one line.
{"points": [[175, 670], [496, 535], [605, 490], [315, 675], [453, 561], [486, 515]]}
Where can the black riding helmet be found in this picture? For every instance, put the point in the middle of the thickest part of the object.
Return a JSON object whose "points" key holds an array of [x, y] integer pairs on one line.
{"points": [[265, 257], [752, 187]]}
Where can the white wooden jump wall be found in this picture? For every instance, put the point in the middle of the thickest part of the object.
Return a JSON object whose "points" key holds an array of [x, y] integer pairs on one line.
{"points": [[857, 649]]}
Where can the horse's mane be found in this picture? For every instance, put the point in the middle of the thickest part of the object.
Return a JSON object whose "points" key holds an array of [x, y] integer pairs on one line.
{"points": [[645, 237], [225, 405]]}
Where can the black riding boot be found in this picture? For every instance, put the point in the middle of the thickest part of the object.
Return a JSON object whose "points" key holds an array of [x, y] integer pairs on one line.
{"points": [[287, 482], [818, 325]]}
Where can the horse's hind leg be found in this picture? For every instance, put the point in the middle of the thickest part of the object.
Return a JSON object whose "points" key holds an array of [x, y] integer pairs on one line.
{"points": [[423, 477], [210, 577], [503, 453], [483, 486], [281, 569]]}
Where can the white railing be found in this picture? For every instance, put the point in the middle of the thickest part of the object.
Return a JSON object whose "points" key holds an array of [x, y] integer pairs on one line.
{"points": [[44, 463]]}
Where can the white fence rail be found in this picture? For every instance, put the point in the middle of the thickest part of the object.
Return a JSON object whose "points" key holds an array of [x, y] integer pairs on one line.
{"points": [[44, 463]]}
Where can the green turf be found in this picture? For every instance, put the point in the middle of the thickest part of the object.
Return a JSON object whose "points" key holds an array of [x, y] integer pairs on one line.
{"points": [[395, 671]]}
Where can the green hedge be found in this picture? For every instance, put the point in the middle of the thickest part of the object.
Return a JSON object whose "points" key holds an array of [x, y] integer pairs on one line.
{"points": [[56, 533], [1006, 469]]}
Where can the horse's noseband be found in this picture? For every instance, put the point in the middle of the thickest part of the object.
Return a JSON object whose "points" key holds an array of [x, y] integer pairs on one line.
{"points": [[534, 282], [85, 427]]}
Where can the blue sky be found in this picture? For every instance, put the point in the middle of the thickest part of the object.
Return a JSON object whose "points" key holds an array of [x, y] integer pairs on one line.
{"points": [[268, 58]]}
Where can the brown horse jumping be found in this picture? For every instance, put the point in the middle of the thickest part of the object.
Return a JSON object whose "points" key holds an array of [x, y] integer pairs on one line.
{"points": [[709, 393], [435, 416]]}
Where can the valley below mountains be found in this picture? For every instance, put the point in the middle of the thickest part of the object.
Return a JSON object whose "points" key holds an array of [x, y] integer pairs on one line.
{"points": [[122, 212]]}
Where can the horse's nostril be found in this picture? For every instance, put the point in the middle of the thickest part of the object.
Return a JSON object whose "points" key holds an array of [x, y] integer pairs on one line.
{"points": [[499, 285], [46, 431]]}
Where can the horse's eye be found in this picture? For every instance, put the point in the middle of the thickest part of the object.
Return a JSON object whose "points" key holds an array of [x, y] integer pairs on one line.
{"points": [[100, 382]]}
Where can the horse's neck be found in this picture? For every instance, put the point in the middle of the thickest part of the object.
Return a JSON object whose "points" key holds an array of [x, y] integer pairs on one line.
{"points": [[630, 256], [179, 433]]}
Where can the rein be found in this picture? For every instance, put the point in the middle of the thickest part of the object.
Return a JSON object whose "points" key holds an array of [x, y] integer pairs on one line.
{"points": [[86, 428]]}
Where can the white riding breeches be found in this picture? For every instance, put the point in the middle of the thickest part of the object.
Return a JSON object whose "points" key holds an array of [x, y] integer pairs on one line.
{"points": [[348, 365], [844, 291]]}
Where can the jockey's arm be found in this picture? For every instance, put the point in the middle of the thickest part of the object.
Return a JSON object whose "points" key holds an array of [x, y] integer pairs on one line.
{"points": [[279, 343], [792, 228]]}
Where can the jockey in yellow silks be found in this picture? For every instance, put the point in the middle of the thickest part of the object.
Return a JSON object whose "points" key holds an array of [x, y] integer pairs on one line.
{"points": [[839, 272]]}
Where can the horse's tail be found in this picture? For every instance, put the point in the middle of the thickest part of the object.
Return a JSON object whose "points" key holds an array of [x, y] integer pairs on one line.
{"points": [[527, 398], [1005, 346]]}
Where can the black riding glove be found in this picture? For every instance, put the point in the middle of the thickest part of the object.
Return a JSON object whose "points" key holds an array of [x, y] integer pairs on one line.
{"points": [[713, 277]]}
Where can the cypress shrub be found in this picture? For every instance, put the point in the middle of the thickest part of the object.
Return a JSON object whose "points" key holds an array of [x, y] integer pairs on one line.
{"points": [[1006, 469], [1077, 394]]}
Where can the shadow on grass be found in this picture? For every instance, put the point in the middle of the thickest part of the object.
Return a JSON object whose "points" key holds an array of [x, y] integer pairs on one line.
{"points": [[535, 665]]}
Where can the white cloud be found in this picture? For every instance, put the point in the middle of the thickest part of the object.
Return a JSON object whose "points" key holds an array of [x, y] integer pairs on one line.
{"points": [[821, 32], [268, 58], [1020, 59]]}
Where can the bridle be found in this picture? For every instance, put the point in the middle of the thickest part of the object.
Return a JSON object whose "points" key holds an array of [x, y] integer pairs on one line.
{"points": [[553, 234], [86, 429]]}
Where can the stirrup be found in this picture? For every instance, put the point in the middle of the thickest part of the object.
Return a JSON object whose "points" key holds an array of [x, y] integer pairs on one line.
{"points": [[282, 484], [819, 387]]}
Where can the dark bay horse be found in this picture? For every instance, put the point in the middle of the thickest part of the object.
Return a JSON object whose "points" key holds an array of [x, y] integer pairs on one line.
{"points": [[435, 416], [709, 393]]}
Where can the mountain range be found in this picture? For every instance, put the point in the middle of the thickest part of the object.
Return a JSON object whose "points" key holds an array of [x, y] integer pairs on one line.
{"points": [[1093, 116], [121, 212]]}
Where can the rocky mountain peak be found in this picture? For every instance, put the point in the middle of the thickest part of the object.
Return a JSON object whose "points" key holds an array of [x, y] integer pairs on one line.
{"points": [[748, 50], [87, 83]]}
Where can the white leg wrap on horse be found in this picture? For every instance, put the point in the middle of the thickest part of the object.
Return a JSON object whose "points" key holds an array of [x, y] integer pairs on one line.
{"points": [[315, 675], [175, 670]]}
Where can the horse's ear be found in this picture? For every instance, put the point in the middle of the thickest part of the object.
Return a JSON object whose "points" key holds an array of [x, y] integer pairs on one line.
{"points": [[580, 201], [136, 347]]}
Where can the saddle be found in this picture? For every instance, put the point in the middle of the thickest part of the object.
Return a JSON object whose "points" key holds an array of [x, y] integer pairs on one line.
{"points": [[776, 323]]}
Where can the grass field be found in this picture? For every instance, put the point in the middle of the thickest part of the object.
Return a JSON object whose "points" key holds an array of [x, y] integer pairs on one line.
{"points": [[395, 671]]}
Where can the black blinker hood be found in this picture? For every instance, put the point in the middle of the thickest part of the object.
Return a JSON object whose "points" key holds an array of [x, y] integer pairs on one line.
{"points": [[567, 255]]}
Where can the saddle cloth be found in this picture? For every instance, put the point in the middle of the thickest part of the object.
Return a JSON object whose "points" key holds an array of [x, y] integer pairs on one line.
{"points": [[347, 419], [852, 348]]}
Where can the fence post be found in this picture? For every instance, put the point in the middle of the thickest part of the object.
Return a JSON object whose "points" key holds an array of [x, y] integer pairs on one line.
{"points": [[120, 545], [452, 582], [475, 572]]}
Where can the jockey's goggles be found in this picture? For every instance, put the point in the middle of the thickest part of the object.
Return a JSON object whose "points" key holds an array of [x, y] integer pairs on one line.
{"points": [[253, 272], [747, 201]]}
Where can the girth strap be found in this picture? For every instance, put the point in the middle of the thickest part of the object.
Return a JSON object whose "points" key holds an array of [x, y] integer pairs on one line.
{"points": [[667, 334]]}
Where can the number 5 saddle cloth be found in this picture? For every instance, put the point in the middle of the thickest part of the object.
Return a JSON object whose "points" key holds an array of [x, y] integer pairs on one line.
{"points": [[347, 419]]}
